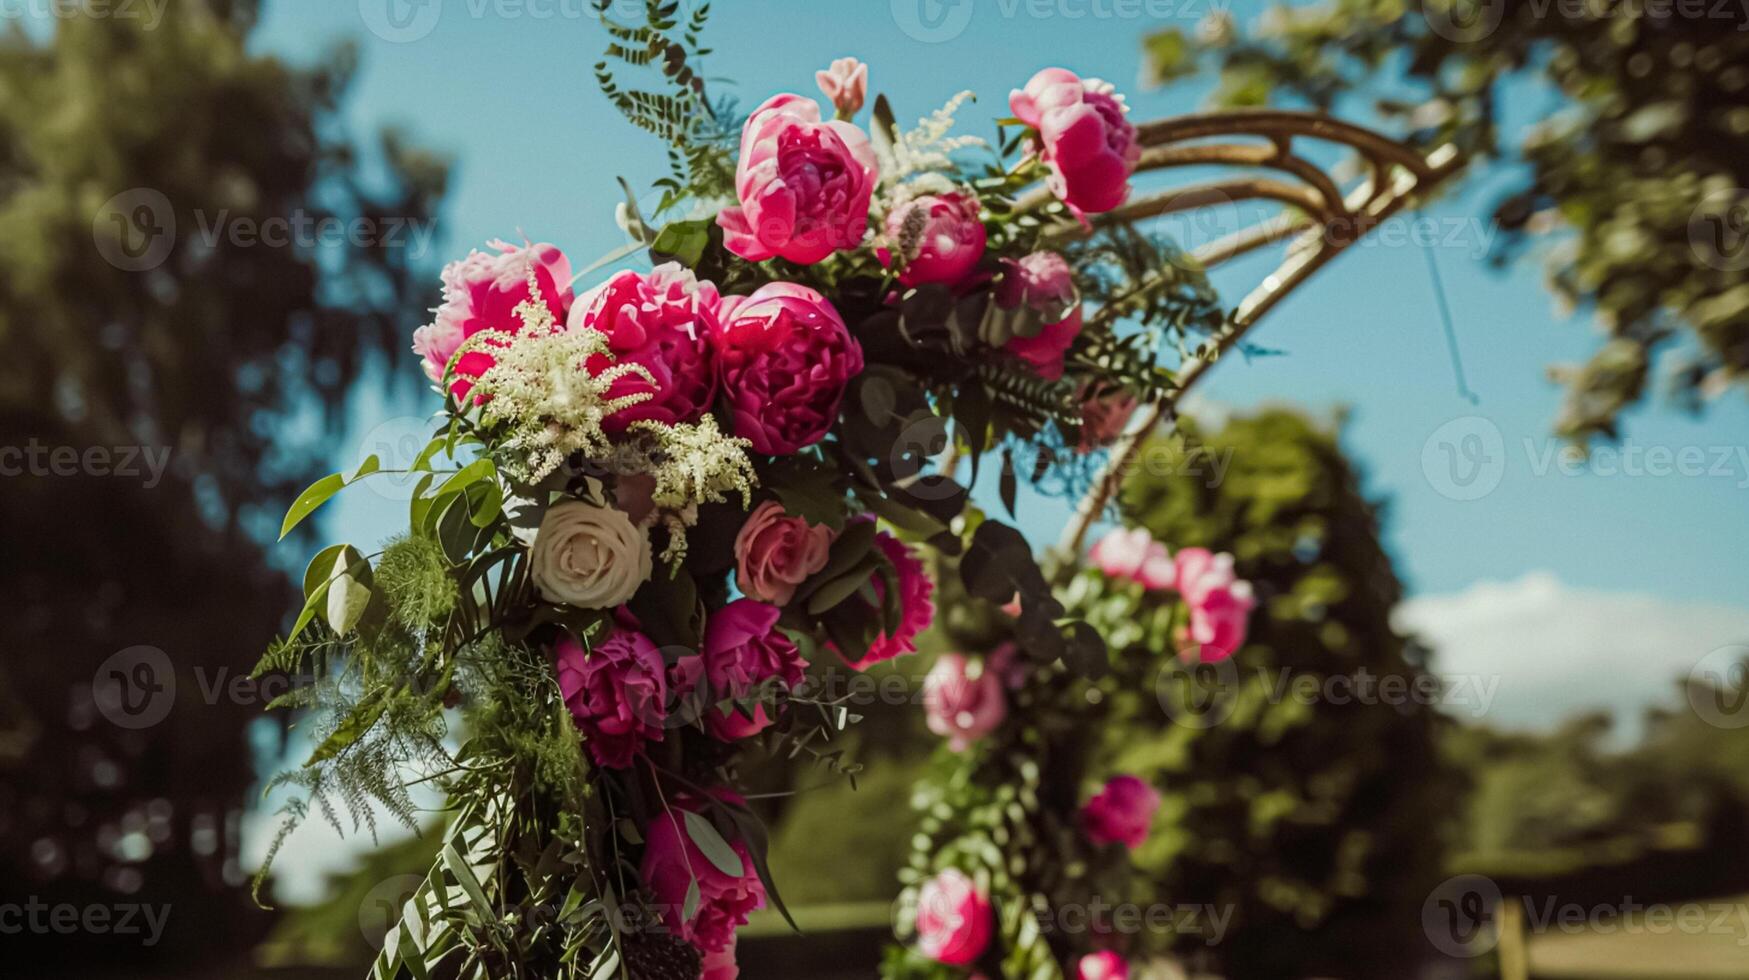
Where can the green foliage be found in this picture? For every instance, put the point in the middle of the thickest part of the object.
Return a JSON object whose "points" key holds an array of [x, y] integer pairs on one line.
{"points": [[1639, 179]]}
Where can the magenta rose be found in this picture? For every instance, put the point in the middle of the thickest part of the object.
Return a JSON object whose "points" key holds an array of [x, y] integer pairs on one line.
{"points": [[1135, 555], [775, 552], [937, 238], [845, 85], [784, 358], [1103, 965], [661, 320], [1121, 812], [1220, 602], [953, 919], [963, 700], [804, 185], [743, 651], [617, 692], [482, 292], [1083, 138], [916, 604], [672, 860]]}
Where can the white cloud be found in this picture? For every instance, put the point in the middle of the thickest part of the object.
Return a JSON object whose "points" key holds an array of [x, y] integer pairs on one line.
{"points": [[1556, 650]]}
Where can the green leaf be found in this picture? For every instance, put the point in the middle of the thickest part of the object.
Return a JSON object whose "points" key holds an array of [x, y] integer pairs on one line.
{"points": [[683, 241], [315, 496], [831, 593], [362, 718], [689, 907], [348, 590], [715, 848], [1008, 483], [464, 876]]}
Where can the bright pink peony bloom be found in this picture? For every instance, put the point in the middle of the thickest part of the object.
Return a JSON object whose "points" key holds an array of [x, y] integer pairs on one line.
{"points": [[916, 604], [743, 649], [1042, 281], [845, 85], [1083, 138], [1220, 603], [662, 320], [940, 236], [1121, 812], [1135, 555], [784, 358], [1105, 414], [804, 185], [775, 552], [671, 860], [953, 919], [963, 700], [1103, 965], [481, 292], [617, 692], [720, 965]]}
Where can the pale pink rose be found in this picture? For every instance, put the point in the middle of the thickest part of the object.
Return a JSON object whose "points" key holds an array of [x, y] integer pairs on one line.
{"points": [[1083, 137], [804, 185], [617, 692], [784, 358], [1134, 554], [1103, 965], [845, 85], [720, 965], [916, 604], [661, 320], [672, 861], [1105, 414], [482, 292], [775, 552], [939, 238], [963, 700], [1121, 812], [1220, 603], [953, 919], [744, 651]]}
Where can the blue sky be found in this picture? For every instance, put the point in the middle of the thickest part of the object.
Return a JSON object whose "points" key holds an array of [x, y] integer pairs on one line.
{"points": [[506, 87]]}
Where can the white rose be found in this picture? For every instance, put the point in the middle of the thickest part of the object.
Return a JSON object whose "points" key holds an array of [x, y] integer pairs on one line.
{"points": [[590, 557]]}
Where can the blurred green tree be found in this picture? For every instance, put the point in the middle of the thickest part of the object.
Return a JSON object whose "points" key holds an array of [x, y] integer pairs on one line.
{"points": [[1638, 181], [1304, 793], [199, 262]]}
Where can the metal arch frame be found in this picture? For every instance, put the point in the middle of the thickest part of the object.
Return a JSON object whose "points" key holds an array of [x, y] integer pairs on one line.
{"points": [[1397, 177]]}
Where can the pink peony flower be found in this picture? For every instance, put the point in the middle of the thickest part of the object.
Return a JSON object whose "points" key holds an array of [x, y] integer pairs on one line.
{"points": [[481, 292], [1103, 965], [845, 85], [1220, 602], [1135, 555], [775, 552], [742, 651], [1105, 414], [939, 238], [617, 692], [784, 358], [1121, 812], [804, 185], [953, 919], [1083, 138], [720, 965], [1043, 282], [916, 604], [662, 320], [963, 700], [672, 860], [1044, 351]]}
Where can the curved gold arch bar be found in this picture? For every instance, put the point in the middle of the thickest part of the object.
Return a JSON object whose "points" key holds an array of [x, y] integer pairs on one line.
{"points": [[1325, 223]]}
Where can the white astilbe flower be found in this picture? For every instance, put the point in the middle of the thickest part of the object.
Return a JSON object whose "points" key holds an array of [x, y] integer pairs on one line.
{"points": [[692, 464], [540, 394], [928, 147]]}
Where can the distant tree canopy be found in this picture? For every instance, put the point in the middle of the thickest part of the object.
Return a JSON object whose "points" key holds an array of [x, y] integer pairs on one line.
{"points": [[178, 371], [1312, 810], [1637, 179]]}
